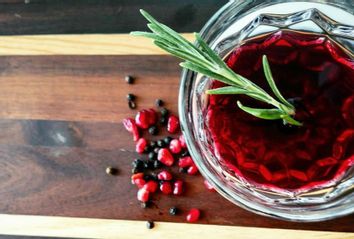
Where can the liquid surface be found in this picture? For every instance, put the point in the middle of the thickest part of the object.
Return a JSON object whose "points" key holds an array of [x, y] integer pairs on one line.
{"points": [[318, 77]]}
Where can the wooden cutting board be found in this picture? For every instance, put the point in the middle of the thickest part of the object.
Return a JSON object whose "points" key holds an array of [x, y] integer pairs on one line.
{"points": [[62, 99]]}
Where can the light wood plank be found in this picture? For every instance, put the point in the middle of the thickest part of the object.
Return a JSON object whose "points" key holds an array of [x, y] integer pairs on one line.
{"points": [[81, 44], [106, 228]]}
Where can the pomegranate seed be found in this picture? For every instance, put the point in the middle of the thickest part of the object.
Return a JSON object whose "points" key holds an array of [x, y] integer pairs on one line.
{"points": [[140, 145], [192, 170], [165, 157], [164, 175], [182, 141], [151, 186], [193, 215], [136, 176], [139, 182], [152, 116], [208, 186], [172, 124], [178, 187], [298, 175], [185, 162], [142, 119], [130, 126], [265, 172], [143, 195], [175, 146], [166, 187]]}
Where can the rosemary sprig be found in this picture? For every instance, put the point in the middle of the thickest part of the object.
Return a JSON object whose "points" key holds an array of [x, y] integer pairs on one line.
{"points": [[202, 59]]}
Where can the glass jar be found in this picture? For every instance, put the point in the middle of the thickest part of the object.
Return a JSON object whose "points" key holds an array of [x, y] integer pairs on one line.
{"points": [[232, 25]]}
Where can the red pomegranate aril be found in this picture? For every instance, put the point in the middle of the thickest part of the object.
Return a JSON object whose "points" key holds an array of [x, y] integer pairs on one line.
{"points": [[151, 186], [193, 215], [140, 145], [182, 141], [143, 195], [175, 146], [298, 175], [139, 182], [208, 186], [165, 157], [265, 172], [142, 119], [172, 124], [178, 187], [136, 176], [166, 187], [164, 175], [185, 162], [192, 170], [130, 126], [152, 116]]}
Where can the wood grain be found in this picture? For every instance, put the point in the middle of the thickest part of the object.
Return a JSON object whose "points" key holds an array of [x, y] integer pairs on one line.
{"points": [[84, 88], [19, 17], [102, 229], [88, 44]]}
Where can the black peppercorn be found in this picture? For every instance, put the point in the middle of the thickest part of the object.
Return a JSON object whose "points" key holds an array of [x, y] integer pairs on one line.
{"points": [[153, 130], [164, 112], [130, 97], [129, 79], [161, 143], [173, 211], [150, 224], [159, 102], [131, 104], [152, 156], [167, 140], [111, 171], [157, 164]]}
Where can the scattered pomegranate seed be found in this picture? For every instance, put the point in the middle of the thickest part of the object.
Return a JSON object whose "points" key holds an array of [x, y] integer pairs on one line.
{"points": [[208, 186], [130, 126], [152, 117], [178, 187], [192, 170], [166, 187], [142, 119], [140, 145], [298, 175], [139, 182], [151, 186], [172, 124], [182, 141], [193, 215], [185, 162], [175, 146], [136, 176], [164, 175], [165, 157], [143, 195]]}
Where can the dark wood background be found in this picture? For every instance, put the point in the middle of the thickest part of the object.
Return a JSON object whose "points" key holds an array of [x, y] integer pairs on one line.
{"points": [[60, 119]]}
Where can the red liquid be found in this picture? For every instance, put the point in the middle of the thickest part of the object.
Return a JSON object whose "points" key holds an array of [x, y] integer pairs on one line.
{"points": [[319, 76]]}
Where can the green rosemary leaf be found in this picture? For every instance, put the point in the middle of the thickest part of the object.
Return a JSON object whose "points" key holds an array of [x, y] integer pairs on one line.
{"points": [[210, 53], [269, 114], [269, 77], [227, 90], [206, 72], [290, 120]]}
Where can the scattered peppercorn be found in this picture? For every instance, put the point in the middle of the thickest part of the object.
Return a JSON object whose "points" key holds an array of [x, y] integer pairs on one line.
{"points": [[185, 154], [183, 170], [167, 140], [152, 156], [131, 104], [164, 112], [153, 130], [111, 171], [157, 164], [145, 204], [173, 211], [150, 224], [138, 164], [156, 150], [159, 102], [161, 143], [131, 97], [129, 79], [153, 144], [163, 120]]}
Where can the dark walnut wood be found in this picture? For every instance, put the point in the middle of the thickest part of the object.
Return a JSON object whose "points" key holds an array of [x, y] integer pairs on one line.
{"points": [[20, 17], [60, 128]]}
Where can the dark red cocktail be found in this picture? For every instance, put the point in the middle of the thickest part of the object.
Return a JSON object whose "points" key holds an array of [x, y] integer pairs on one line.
{"points": [[317, 76]]}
